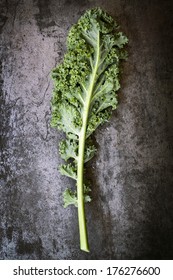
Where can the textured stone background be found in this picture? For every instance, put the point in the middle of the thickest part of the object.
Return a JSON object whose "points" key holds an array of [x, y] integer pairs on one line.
{"points": [[131, 216]]}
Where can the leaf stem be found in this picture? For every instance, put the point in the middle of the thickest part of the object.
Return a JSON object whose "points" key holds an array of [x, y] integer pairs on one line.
{"points": [[82, 137]]}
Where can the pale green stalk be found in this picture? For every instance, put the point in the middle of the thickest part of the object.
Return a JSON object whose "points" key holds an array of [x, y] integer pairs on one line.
{"points": [[80, 184]]}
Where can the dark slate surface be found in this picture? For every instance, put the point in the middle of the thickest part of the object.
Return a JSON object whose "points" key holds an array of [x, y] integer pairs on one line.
{"points": [[131, 216]]}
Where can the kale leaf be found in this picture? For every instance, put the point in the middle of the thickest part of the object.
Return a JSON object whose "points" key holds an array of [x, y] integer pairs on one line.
{"points": [[84, 95]]}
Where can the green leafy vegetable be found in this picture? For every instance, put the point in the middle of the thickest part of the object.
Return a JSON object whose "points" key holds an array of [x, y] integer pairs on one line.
{"points": [[85, 87]]}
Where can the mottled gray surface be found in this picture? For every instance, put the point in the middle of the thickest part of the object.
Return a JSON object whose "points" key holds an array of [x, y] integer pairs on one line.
{"points": [[131, 215]]}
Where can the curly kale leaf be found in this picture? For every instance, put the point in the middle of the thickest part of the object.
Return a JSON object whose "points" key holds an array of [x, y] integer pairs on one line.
{"points": [[84, 95]]}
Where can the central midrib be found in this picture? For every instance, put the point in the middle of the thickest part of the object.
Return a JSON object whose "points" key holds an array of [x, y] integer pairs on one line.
{"points": [[82, 137]]}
